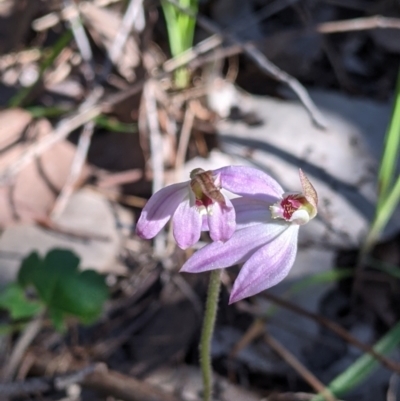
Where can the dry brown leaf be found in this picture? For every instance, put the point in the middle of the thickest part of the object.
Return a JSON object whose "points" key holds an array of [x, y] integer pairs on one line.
{"points": [[32, 192]]}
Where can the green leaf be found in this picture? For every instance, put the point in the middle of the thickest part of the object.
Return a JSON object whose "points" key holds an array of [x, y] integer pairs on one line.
{"points": [[81, 295], [45, 275], [62, 287], [13, 299], [57, 317], [27, 270], [383, 215]]}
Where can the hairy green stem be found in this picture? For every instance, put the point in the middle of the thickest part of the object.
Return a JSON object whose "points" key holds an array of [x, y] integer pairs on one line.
{"points": [[207, 332]]}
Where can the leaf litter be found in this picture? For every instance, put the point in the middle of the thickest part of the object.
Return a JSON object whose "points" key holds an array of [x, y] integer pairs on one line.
{"points": [[144, 344]]}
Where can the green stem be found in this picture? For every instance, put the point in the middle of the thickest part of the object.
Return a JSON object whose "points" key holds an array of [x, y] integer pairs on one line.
{"points": [[207, 332]]}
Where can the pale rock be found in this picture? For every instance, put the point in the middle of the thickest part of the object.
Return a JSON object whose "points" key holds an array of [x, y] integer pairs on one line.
{"points": [[341, 161], [88, 214]]}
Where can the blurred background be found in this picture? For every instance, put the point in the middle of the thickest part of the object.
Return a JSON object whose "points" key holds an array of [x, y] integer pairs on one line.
{"points": [[104, 102]]}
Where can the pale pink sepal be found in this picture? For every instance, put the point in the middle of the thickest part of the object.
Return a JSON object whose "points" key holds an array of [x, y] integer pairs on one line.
{"points": [[186, 225], [249, 181], [237, 249], [268, 266], [222, 221], [159, 209]]}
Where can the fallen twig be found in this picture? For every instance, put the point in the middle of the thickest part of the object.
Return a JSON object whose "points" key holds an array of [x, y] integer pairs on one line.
{"points": [[80, 235], [22, 344], [130, 17], [306, 374], [184, 140], [191, 54], [64, 128], [156, 148], [49, 20], [340, 331], [359, 24], [81, 40], [75, 170], [125, 387], [42, 384], [108, 382]]}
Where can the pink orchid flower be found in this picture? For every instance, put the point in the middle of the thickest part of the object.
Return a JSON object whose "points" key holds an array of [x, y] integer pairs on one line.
{"points": [[268, 221], [194, 206]]}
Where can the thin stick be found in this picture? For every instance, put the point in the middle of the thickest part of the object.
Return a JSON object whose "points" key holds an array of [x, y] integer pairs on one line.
{"points": [[263, 63], [156, 149], [49, 20], [108, 382], [306, 374], [256, 329], [81, 40], [340, 331], [75, 171], [122, 35], [184, 139], [359, 24], [189, 55], [42, 384], [207, 331], [61, 132], [24, 341]]}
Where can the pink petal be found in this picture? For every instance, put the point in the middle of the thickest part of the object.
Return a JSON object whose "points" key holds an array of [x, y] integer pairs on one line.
{"points": [[159, 209], [237, 249], [186, 224], [222, 221], [251, 211], [204, 223], [246, 181], [268, 266]]}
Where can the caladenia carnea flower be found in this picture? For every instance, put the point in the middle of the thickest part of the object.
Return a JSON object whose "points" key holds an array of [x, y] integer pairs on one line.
{"points": [[268, 221], [194, 206]]}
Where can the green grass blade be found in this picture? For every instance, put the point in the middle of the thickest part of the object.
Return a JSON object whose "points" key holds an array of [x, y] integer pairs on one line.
{"points": [[382, 217], [180, 29], [363, 366], [174, 35], [391, 150], [113, 125], [48, 112]]}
